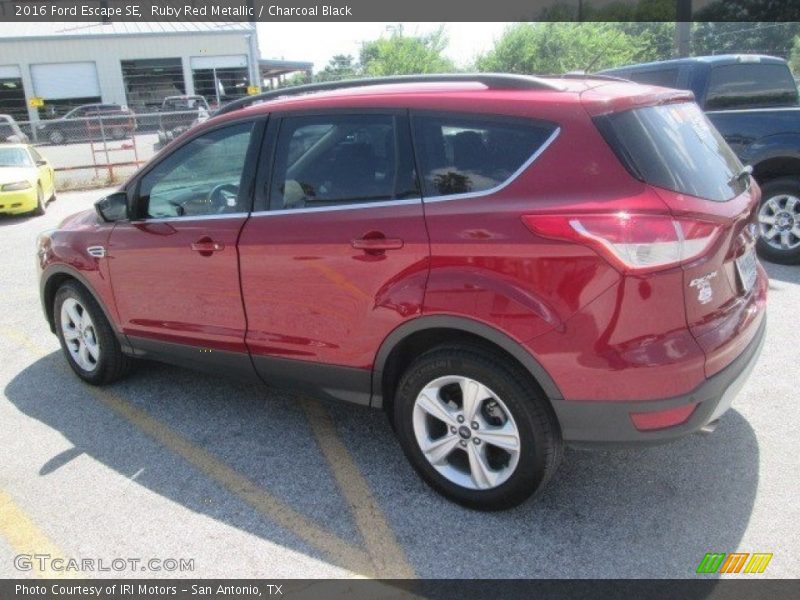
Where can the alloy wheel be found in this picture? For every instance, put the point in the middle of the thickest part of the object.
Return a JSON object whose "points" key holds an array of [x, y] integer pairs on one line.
{"points": [[466, 432], [779, 222], [80, 335]]}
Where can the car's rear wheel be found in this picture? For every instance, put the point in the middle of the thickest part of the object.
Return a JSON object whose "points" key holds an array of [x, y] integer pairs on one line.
{"points": [[57, 137], [86, 337], [118, 133], [779, 221], [41, 206], [475, 428]]}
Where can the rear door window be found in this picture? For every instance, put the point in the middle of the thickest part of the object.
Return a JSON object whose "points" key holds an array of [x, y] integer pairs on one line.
{"points": [[750, 85], [661, 77], [463, 154], [675, 147], [331, 160]]}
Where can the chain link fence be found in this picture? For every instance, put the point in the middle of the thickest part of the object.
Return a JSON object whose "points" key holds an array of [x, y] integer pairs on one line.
{"points": [[101, 149]]}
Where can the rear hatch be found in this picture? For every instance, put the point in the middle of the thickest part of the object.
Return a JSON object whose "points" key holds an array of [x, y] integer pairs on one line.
{"points": [[674, 149]]}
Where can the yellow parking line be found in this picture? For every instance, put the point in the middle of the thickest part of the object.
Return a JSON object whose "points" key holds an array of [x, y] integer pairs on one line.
{"points": [[250, 492], [388, 556], [342, 553], [25, 537]]}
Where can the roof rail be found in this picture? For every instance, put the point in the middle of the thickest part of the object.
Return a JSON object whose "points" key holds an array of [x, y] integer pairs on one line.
{"points": [[491, 80], [584, 75]]}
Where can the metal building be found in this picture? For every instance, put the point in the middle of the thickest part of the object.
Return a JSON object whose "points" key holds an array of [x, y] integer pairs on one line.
{"points": [[46, 69]]}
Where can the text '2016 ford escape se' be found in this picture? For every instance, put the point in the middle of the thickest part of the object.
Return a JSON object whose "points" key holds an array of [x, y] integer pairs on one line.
{"points": [[503, 264]]}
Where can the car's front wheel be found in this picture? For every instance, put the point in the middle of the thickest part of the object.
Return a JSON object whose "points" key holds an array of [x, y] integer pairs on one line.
{"points": [[87, 339], [41, 206], [475, 427]]}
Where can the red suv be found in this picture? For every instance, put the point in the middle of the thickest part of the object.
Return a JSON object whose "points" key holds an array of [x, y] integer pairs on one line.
{"points": [[501, 263]]}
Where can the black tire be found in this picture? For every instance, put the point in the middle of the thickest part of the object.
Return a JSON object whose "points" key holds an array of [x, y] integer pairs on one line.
{"points": [[112, 364], [774, 189], [57, 137], [40, 203], [540, 437], [118, 133]]}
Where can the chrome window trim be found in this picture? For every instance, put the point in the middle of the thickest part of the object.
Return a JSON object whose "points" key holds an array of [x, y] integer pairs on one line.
{"points": [[353, 206], [408, 201], [537, 153], [235, 215]]}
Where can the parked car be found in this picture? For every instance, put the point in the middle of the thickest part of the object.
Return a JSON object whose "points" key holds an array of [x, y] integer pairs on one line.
{"points": [[89, 122], [27, 181], [178, 114], [10, 131], [502, 263], [753, 102]]}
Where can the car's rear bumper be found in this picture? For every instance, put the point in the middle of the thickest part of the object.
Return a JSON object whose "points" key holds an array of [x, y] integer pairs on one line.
{"points": [[610, 422]]}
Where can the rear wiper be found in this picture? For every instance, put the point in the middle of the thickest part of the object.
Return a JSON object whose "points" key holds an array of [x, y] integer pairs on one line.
{"points": [[745, 171]]}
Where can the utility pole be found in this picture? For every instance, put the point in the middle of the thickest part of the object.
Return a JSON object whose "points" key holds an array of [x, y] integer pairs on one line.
{"points": [[683, 27]]}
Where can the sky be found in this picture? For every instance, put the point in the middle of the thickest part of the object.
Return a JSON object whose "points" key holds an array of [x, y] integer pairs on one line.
{"points": [[318, 42]]}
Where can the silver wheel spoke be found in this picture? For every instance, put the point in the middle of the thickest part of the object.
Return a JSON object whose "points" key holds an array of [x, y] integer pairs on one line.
{"points": [[771, 233], [791, 204], [74, 315], [439, 449], [483, 476], [71, 334], [436, 408], [766, 219], [505, 437], [83, 354], [472, 393], [785, 239], [94, 351]]}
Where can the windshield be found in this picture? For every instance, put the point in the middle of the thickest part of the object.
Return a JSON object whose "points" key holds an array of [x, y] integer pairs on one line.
{"points": [[676, 147], [14, 157]]}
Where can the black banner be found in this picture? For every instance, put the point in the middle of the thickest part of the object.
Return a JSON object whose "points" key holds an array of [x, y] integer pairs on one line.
{"points": [[300, 589], [408, 10]]}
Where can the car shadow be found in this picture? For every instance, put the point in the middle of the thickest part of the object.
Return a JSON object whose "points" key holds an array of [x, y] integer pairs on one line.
{"points": [[784, 273], [649, 512]]}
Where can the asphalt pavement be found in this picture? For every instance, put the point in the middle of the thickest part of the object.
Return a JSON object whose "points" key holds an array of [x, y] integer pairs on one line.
{"points": [[240, 480]]}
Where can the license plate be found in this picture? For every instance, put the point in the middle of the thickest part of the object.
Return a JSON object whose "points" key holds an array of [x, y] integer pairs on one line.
{"points": [[746, 267]]}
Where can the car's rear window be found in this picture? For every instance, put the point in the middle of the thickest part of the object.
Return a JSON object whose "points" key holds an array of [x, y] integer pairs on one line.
{"points": [[674, 146], [750, 85]]}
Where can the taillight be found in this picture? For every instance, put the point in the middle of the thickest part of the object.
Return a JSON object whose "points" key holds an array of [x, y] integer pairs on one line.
{"points": [[633, 243]]}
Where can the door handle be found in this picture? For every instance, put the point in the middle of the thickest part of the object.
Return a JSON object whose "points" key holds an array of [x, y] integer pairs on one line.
{"points": [[377, 244], [206, 246]]}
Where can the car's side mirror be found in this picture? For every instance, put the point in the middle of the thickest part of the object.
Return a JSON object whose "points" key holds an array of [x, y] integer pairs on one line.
{"points": [[41, 163], [113, 207]]}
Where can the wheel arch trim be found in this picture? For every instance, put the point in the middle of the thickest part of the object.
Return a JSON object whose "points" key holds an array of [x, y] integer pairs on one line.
{"points": [[63, 270], [466, 325]]}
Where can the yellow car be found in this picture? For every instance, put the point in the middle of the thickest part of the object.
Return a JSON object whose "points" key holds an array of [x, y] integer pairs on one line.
{"points": [[27, 183]]}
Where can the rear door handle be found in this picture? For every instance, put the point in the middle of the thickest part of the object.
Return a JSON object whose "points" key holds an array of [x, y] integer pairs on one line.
{"points": [[377, 244], [206, 246]]}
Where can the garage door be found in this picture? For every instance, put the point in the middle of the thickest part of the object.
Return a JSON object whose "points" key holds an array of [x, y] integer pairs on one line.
{"points": [[62, 81]]}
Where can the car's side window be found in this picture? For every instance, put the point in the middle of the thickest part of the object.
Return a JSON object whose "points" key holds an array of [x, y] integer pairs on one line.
{"points": [[461, 154], [341, 159], [201, 178]]}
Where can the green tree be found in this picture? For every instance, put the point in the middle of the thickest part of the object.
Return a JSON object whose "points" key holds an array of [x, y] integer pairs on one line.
{"points": [[339, 67], [713, 37], [794, 57], [401, 54], [557, 48]]}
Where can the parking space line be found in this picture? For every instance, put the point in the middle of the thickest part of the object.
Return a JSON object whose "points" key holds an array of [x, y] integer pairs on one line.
{"points": [[25, 537], [386, 552], [336, 549]]}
